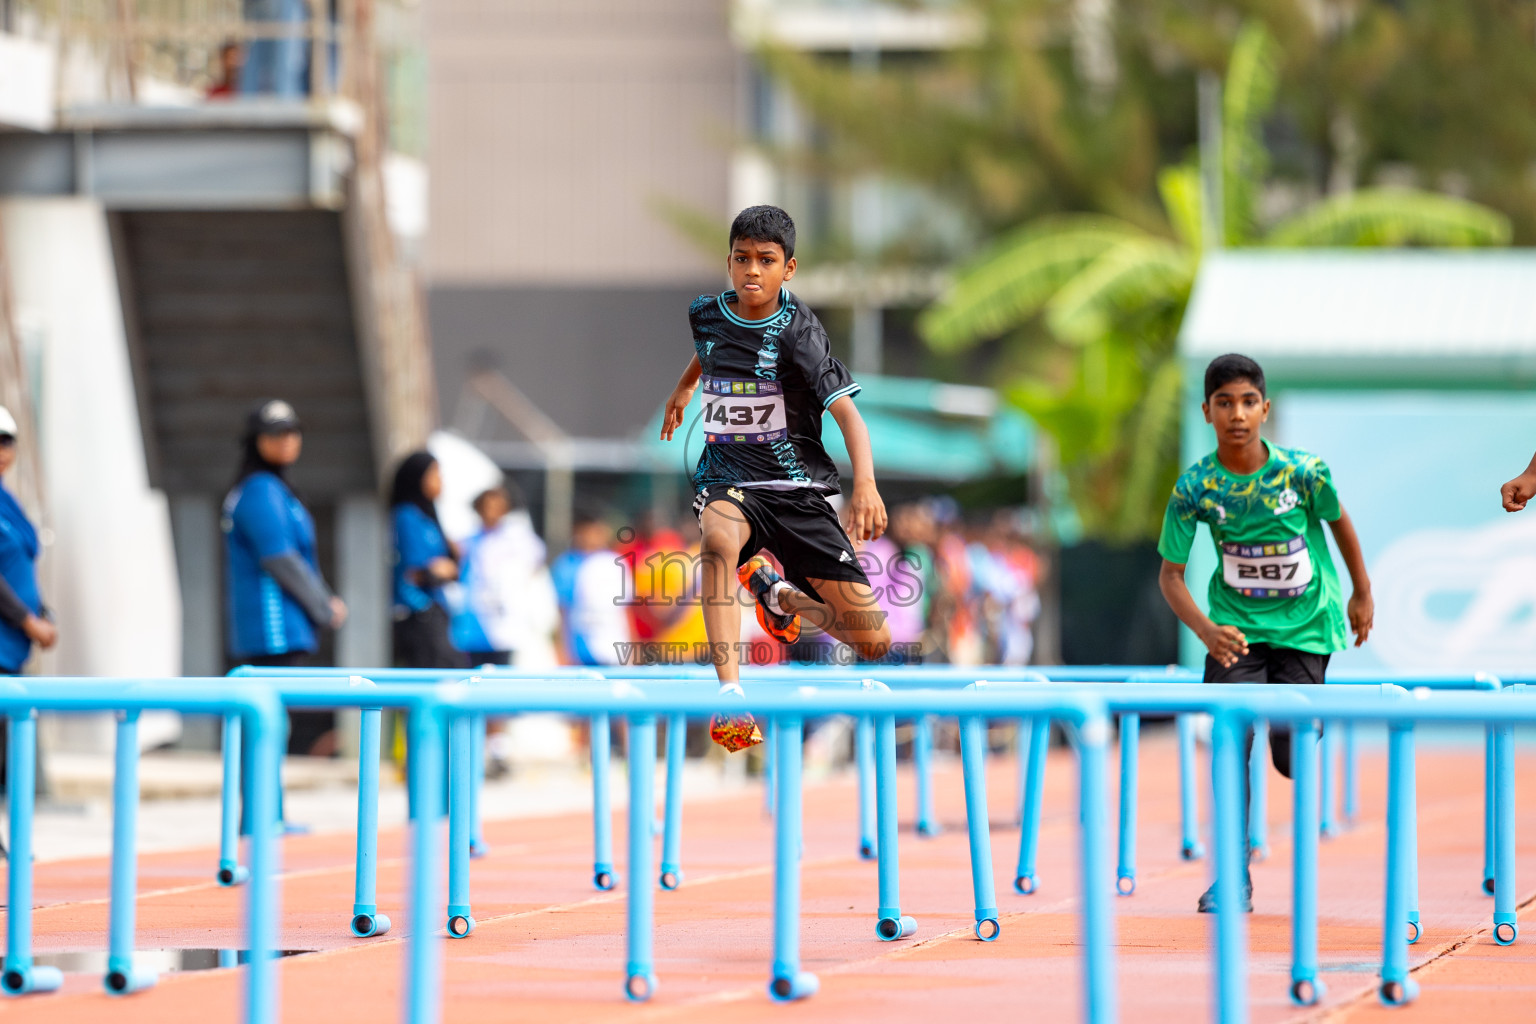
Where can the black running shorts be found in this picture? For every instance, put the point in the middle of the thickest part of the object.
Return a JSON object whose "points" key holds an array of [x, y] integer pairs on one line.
{"points": [[1265, 663], [797, 526]]}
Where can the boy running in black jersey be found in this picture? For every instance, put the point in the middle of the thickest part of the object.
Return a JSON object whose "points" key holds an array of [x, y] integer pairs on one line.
{"points": [[762, 480]]}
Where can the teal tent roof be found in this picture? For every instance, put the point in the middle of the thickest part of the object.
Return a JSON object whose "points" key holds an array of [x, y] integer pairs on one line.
{"points": [[918, 428]]}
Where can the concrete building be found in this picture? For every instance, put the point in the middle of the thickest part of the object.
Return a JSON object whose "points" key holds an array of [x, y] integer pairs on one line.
{"points": [[170, 261]]}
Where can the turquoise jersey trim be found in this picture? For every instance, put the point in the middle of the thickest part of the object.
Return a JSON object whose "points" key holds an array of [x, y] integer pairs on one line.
{"points": [[851, 389], [733, 318]]}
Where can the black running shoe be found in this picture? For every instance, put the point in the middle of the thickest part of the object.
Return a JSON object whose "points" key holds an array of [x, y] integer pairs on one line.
{"points": [[1207, 904]]}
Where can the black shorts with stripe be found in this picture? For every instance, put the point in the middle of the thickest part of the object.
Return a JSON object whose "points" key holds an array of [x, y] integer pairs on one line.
{"points": [[797, 526]]}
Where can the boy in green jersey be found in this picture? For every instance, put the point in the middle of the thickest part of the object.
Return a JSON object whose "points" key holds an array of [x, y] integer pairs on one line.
{"points": [[1276, 614]]}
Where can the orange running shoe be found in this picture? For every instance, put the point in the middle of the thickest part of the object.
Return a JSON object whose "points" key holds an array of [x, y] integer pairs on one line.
{"points": [[734, 732], [758, 576]]}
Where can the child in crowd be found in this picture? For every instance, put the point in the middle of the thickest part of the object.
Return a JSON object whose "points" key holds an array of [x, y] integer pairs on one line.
{"points": [[592, 589]]}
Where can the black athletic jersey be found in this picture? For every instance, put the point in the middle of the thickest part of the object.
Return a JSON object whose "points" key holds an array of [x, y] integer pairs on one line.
{"points": [[765, 385]]}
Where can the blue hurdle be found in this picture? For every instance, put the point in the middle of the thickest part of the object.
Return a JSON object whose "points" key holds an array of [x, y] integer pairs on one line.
{"points": [[20, 700], [438, 711], [785, 710]]}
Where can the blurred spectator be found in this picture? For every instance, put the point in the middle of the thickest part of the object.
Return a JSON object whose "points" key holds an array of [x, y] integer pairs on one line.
{"points": [[592, 586], [231, 59], [666, 608], [276, 66], [425, 567], [24, 620], [279, 65], [501, 568], [955, 613], [276, 599], [1019, 598], [901, 570]]}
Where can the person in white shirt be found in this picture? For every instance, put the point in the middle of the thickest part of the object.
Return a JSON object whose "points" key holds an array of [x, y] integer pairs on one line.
{"points": [[503, 566], [590, 580]]}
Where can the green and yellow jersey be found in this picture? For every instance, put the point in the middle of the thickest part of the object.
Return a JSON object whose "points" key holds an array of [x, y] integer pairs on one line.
{"points": [[1276, 581]]}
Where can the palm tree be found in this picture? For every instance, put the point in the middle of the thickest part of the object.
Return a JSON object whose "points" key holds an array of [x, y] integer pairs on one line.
{"points": [[1099, 301]]}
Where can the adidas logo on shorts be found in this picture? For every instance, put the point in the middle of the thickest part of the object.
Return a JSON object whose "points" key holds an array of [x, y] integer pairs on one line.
{"points": [[843, 556]]}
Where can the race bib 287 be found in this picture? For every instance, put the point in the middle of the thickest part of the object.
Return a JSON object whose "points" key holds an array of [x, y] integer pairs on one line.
{"points": [[1278, 569]]}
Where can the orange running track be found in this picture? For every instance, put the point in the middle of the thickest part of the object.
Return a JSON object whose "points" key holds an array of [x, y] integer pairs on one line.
{"points": [[549, 948]]}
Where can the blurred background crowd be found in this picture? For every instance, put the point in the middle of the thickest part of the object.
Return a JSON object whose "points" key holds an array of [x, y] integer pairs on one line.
{"points": [[953, 592]]}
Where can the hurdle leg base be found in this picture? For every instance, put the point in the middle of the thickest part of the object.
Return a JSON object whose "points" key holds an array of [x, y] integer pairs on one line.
{"points": [[1307, 991], [788, 988], [889, 929]]}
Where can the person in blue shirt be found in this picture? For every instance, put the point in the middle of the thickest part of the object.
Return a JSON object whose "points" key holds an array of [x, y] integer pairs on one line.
{"points": [[276, 600], [24, 620], [425, 564]]}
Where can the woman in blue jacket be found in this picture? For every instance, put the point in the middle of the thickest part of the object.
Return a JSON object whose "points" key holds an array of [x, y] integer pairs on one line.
{"points": [[24, 620], [275, 597], [425, 564]]}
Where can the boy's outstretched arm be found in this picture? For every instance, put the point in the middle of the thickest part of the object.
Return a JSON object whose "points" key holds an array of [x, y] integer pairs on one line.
{"points": [[677, 402], [864, 516], [1225, 643], [1362, 607], [1520, 490]]}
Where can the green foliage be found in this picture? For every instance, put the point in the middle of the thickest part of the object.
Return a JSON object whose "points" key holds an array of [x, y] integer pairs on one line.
{"points": [[1109, 299], [1391, 217], [1179, 188], [1135, 275], [1014, 280], [1253, 75], [1088, 211]]}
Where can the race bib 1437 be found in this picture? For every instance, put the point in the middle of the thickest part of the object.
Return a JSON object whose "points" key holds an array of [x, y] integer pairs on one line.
{"points": [[744, 411], [1280, 569]]}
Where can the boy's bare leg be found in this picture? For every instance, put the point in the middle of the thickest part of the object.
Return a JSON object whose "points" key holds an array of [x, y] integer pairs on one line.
{"points": [[851, 614], [725, 533]]}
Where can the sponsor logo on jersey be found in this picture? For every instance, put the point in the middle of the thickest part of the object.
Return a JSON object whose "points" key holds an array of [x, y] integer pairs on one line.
{"points": [[751, 388], [738, 388], [842, 556], [741, 437], [1288, 500]]}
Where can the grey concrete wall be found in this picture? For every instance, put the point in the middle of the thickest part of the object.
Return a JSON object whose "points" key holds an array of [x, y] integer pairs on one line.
{"points": [[557, 126], [597, 361]]}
